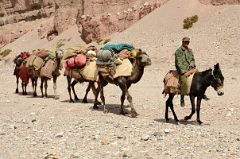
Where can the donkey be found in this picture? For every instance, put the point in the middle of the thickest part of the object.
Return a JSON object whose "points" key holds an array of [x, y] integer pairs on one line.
{"points": [[201, 81]]}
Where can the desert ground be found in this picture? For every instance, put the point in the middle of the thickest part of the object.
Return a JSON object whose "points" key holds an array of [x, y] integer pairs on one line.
{"points": [[48, 128]]}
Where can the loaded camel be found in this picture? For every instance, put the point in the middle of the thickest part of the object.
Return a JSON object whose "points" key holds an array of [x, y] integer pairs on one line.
{"points": [[139, 63]]}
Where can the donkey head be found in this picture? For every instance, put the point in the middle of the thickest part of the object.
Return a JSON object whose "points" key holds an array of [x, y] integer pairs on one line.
{"points": [[218, 80]]}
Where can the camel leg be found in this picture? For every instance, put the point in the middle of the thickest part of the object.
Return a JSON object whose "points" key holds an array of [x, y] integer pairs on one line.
{"points": [[25, 88], [122, 104], [87, 90], [45, 87], [95, 106], [129, 98], [17, 81], [192, 99], [35, 87], [103, 99], [69, 88], [95, 91], [41, 86], [73, 88], [199, 99], [56, 96]]}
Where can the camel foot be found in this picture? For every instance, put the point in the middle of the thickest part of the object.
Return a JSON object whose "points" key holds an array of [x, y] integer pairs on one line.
{"points": [[16, 91], [187, 118], [56, 97], [71, 101], [76, 98], [35, 94], [105, 111], [123, 112], [199, 122], [95, 107], [84, 100]]}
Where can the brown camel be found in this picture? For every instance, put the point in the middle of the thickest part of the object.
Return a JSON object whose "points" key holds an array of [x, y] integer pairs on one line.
{"points": [[139, 63], [35, 74]]}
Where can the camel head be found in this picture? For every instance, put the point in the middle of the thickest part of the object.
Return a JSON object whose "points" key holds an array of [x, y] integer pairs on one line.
{"points": [[142, 58], [59, 53]]}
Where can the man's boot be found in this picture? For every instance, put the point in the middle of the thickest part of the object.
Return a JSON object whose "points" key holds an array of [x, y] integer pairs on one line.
{"points": [[182, 101]]}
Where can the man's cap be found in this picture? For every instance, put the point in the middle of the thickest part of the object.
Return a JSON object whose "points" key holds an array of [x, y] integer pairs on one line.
{"points": [[186, 39]]}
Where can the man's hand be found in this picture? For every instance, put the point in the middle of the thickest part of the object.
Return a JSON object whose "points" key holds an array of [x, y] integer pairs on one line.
{"points": [[191, 71]]}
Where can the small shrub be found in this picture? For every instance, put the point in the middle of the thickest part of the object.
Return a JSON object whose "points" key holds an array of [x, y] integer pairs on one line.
{"points": [[194, 19], [6, 52], [188, 22]]}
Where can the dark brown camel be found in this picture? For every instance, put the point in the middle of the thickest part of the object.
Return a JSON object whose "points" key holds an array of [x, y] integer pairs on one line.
{"points": [[142, 60]]}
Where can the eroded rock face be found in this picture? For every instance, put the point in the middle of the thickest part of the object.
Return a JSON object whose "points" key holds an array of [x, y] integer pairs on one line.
{"points": [[103, 16], [94, 27]]}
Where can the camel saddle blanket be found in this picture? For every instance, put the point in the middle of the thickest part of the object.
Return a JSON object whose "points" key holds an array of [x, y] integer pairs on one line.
{"points": [[35, 61], [124, 69], [115, 71], [23, 73], [48, 69], [171, 82], [73, 73]]}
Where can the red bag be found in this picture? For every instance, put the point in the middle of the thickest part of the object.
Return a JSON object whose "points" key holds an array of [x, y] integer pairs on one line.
{"points": [[78, 61]]}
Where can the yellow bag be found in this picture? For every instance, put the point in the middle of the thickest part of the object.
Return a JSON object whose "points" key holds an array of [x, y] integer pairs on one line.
{"points": [[35, 61], [90, 72]]}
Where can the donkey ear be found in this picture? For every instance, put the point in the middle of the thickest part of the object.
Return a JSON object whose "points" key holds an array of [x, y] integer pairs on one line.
{"points": [[216, 66]]}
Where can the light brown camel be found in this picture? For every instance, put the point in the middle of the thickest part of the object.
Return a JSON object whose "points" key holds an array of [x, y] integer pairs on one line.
{"points": [[34, 74], [139, 63]]}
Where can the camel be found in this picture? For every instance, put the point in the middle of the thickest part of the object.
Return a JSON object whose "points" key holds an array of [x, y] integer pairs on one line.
{"points": [[35, 74], [21, 71], [139, 63]]}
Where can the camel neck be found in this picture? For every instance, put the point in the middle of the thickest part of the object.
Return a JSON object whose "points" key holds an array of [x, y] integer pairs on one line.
{"points": [[136, 73]]}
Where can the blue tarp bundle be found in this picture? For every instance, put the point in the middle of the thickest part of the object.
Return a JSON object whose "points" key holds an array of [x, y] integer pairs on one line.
{"points": [[116, 48]]}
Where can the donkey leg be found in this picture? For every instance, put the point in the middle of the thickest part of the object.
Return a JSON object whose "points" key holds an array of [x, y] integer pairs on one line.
{"points": [[56, 96], [192, 99], [199, 99], [41, 86], [171, 96], [69, 89], [17, 81], [166, 109], [73, 88]]}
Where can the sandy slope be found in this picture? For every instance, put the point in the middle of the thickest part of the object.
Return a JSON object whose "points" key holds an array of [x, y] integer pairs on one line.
{"points": [[29, 126]]}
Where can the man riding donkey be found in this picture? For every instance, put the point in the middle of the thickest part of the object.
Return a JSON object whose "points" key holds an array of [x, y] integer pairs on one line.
{"points": [[185, 65]]}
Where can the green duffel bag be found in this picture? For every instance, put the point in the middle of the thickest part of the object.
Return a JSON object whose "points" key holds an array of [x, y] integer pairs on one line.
{"points": [[105, 55]]}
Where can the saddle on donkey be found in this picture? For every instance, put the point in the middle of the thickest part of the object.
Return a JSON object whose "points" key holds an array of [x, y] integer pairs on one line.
{"points": [[176, 84]]}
